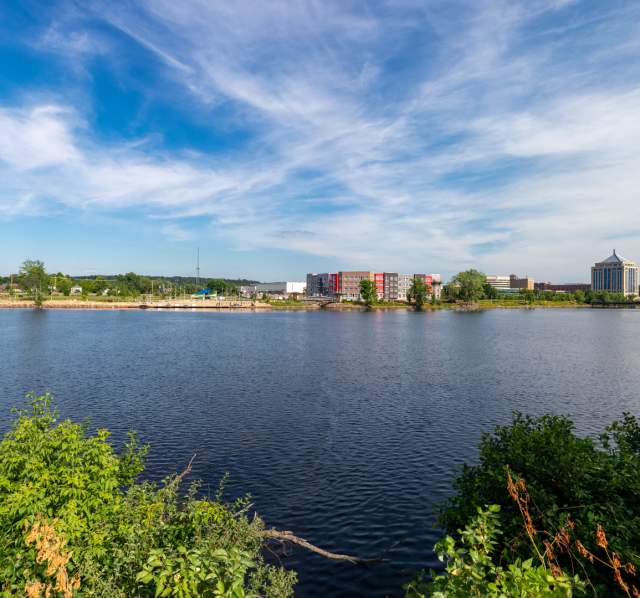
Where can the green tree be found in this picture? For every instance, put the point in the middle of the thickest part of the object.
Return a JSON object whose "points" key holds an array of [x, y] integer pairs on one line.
{"points": [[217, 285], [489, 291], [35, 279], [64, 284], [88, 286], [417, 293], [368, 292], [470, 284], [132, 284], [74, 520], [450, 292], [99, 285]]}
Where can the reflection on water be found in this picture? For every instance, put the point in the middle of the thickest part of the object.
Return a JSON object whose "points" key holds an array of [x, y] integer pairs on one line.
{"points": [[344, 427]]}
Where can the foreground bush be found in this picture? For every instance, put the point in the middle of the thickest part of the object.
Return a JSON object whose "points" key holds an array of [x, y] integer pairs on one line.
{"points": [[471, 570], [579, 509], [74, 521]]}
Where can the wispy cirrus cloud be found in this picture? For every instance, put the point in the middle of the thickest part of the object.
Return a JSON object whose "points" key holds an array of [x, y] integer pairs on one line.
{"points": [[401, 135]]}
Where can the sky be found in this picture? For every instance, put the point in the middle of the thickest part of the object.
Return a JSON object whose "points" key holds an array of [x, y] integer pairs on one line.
{"points": [[288, 136]]}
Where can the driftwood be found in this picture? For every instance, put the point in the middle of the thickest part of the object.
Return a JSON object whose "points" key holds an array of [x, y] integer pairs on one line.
{"points": [[187, 470], [286, 536]]}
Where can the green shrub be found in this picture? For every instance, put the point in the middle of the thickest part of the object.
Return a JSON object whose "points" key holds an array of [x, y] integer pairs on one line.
{"points": [[74, 521], [593, 484], [470, 569]]}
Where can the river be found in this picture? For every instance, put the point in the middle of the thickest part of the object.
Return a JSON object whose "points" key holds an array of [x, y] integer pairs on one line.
{"points": [[346, 428]]}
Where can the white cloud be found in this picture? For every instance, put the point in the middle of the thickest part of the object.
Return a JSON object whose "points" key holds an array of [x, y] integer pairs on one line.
{"points": [[175, 232], [36, 138]]}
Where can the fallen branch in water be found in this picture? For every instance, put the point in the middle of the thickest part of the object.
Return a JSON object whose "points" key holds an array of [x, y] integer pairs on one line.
{"points": [[286, 536], [186, 471]]}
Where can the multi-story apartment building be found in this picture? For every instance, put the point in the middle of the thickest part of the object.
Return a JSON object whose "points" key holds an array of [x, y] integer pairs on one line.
{"points": [[378, 278], [313, 284], [318, 285], [349, 284], [404, 284], [390, 286], [334, 287], [616, 275]]}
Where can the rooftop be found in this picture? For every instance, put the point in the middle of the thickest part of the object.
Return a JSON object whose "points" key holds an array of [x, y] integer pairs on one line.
{"points": [[614, 258]]}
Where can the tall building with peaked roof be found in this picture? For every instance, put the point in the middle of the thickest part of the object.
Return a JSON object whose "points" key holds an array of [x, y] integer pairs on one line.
{"points": [[616, 275]]}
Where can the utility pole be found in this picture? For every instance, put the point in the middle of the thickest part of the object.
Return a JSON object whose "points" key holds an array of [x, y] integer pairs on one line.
{"points": [[198, 270]]}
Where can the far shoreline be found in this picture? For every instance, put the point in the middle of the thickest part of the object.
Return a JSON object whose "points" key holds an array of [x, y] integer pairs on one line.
{"points": [[256, 306]]}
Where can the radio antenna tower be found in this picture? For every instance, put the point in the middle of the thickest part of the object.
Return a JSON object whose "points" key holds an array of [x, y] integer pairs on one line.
{"points": [[198, 269]]}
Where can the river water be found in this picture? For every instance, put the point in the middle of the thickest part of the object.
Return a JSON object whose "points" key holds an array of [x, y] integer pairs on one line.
{"points": [[346, 428]]}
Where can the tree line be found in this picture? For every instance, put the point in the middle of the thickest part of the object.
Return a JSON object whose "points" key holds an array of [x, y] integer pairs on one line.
{"points": [[39, 284]]}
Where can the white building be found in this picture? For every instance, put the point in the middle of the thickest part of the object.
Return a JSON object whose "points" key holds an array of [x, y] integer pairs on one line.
{"points": [[281, 289], [437, 285]]}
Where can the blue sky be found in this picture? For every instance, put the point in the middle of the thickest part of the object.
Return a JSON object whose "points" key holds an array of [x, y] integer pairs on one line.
{"points": [[283, 137]]}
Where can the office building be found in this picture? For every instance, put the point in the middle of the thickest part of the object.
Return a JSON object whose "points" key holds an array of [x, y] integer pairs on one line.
{"points": [[521, 283], [615, 275], [499, 282], [504, 283]]}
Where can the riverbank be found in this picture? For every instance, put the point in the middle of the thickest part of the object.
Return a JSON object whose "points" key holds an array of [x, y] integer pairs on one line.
{"points": [[157, 305]]}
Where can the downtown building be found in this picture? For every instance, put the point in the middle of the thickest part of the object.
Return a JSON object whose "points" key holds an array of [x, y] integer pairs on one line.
{"points": [[615, 275]]}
